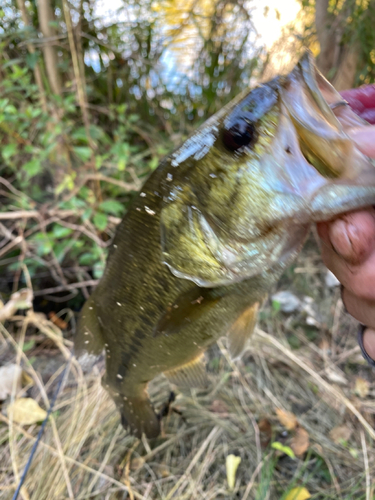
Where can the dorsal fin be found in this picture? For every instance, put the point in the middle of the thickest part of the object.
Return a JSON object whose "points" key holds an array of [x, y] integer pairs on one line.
{"points": [[241, 330]]}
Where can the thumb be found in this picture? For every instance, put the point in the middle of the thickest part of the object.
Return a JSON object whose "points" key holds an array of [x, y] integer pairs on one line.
{"points": [[364, 137], [353, 235]]}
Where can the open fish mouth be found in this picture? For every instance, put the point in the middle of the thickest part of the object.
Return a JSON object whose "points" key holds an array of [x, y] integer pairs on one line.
{"points": [[322, 119]]}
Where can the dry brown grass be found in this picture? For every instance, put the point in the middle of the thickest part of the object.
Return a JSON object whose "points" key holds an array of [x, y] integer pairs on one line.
{"points": [[85, 453]]}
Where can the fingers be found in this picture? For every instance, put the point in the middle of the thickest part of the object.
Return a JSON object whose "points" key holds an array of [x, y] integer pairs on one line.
{"points": [[348, 250], [352, 236]]}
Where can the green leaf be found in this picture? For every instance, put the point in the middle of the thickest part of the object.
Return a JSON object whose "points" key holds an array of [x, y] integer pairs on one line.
{"points": [[87, 259], [100, 221], [61, 231], [112, 207], [32, 59], [10, 109], [83, 153], [86, 214], [9, 150], [32, 167], [98, 270], [276, 306], [28, 345], [284, 449]]}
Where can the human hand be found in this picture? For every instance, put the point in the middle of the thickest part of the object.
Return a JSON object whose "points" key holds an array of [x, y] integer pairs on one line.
{"points": [[348, 250]]}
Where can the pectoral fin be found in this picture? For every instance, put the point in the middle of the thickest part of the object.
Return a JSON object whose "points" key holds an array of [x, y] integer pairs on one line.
{"points": [[192, 374], [188, 308], [241, 330]]}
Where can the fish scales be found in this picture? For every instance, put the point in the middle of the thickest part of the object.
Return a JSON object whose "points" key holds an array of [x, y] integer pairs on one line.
{"points": [[211, 231]]}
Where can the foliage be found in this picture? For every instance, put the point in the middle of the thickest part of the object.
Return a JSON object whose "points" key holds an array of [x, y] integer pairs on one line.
{"points": [[351, 22], [77, 158]]}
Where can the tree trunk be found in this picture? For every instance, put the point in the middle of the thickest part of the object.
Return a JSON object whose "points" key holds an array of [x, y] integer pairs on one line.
{"points": [[45, 16], [347, 68], [337, 61], [31, 49], [323, 24]]}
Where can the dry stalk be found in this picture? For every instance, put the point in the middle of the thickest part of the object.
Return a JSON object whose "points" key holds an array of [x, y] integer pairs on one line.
{"points": [[367, 468], [320, 381], [21, 354], [70, 460], [213, 435]]}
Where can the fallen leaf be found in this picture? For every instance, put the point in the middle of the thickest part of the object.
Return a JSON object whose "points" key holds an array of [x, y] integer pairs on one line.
{"points": [[56, 320], [26, 379], [265, 430], [335, 375], [163, 471], [298, 494], [218, 406], [340, 433], [137, 463], [284, 449], [231, 463], [300, 441], [9, 375], [287, 419], [362, 387], [26, 411], [325, 346]]}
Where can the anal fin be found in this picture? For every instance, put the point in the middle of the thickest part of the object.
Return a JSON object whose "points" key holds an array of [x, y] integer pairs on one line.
{"points": [[192, 374], [241, 330]]}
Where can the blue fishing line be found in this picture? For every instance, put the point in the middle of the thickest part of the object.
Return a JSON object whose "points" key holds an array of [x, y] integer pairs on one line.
{"points": [[40, 433]]}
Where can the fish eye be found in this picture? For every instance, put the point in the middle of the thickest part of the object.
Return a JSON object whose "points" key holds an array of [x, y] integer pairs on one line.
{"points": [[242, 133]]}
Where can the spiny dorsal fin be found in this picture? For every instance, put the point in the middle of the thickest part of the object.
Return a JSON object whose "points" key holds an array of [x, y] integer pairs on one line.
{"points": [[241, 330], [192, 374]]}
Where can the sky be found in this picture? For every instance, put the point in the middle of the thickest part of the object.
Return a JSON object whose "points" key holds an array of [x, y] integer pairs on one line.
{"points": [[269, 18], [269, 27]]}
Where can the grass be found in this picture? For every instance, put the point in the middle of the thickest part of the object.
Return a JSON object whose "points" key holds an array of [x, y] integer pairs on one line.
{"points": [[289, 364]]}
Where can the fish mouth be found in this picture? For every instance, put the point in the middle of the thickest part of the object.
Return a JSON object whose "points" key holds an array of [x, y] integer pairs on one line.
{"points": [[321, 120]]}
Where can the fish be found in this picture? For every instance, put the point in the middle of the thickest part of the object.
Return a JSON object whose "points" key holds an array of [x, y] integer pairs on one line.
{"points": [[213, 229]]}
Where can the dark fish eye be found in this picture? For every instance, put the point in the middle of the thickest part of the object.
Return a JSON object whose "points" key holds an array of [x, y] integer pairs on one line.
{"points": [[241, 133]]}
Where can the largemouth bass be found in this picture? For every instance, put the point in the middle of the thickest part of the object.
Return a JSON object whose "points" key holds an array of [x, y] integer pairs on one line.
{"points": [[212, 230]]}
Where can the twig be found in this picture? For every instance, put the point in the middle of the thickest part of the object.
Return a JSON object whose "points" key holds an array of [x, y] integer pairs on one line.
{"points": [[333, 391], [367, 468], [36, 214], [206, 442], [252, 479], [64, 288], [15, 191]]}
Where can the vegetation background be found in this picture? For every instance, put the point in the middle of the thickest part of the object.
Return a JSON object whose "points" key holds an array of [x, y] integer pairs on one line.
{"points": [[91, 98]]}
